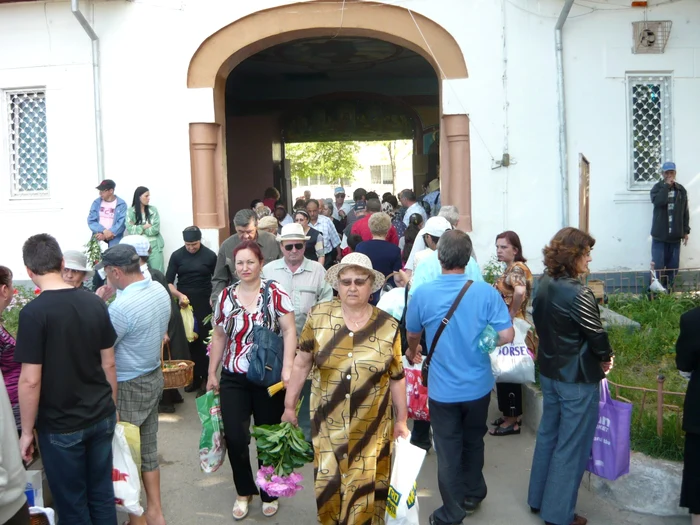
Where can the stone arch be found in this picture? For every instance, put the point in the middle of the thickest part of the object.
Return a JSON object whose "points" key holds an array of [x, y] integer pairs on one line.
{"points": [[228, 47], [222, 51]]}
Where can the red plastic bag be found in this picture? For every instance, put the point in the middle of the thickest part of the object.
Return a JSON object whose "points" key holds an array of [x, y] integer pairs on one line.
{"points": [[416, 393]]}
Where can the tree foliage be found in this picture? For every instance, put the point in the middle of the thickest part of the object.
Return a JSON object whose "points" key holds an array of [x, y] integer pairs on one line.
{"points": [[331, 162]]}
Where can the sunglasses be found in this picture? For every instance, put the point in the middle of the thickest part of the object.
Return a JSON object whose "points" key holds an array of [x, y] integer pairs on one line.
{"points": [[359, 281], [298, 246]]}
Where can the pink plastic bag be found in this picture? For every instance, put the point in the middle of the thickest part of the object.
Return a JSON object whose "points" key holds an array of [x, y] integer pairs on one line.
{"points": [[416, 393]]}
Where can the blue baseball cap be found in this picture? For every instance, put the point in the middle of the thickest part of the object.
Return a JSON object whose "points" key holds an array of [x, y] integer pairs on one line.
{"points": [[668, 166], [339, 190]]}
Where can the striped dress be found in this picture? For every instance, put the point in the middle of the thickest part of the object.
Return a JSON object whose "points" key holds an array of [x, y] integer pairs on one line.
{"points": [[351, 413], [10, 370]]}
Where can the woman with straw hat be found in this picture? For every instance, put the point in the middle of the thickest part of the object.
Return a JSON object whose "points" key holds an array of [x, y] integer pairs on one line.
{"points": [[357, 351]]}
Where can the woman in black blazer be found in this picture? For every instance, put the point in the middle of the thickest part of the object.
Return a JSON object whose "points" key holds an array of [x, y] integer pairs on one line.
{"points": [[688, 360]]}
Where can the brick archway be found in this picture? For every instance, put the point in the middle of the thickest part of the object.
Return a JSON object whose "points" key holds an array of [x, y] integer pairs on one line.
{"points": [[222, 51]]}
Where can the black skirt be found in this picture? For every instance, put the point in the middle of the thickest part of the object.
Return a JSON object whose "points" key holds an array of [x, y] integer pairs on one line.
{"points": [[690, 488]]}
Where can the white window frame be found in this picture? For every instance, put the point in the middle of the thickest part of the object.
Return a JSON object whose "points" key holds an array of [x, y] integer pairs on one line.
{"points": [[7, 125], [665, 81]]}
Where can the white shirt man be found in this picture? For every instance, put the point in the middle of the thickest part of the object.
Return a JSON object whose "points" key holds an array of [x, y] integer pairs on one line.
{"points": [[341, 208], [408, 199], [304, 281]]}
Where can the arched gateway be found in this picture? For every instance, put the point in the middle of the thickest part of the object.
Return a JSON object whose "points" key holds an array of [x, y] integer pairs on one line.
{"points": [[222, 51]]}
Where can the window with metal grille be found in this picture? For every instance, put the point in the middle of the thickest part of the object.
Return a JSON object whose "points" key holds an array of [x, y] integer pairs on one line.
{"points": [[381, 174], [651, 127], [26, 112]]}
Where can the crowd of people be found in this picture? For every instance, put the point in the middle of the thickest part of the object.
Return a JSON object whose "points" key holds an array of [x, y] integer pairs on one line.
{"points": [[318, 275]]}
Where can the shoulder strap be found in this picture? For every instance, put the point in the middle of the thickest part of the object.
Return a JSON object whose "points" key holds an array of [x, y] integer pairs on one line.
{"points": [[446, 320], [266, 301]]}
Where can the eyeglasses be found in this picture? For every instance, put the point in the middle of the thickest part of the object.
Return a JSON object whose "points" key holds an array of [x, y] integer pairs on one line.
{"points": [[298, 246], [359, 281]]}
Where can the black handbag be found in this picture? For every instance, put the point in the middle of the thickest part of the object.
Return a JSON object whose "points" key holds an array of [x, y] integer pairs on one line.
{"points": [[426, 362], [267, 353]]}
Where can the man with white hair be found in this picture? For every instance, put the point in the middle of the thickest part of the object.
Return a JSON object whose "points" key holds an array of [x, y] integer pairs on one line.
{"points": [[304, 281]]}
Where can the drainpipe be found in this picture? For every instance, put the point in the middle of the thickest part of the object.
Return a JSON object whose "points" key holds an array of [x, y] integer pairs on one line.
{"points": [[563, 157], [96, 85]]}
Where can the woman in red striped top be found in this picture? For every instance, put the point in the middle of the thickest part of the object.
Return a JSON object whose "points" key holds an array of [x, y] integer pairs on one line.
{"points": [[10, 369], [239, 308]]}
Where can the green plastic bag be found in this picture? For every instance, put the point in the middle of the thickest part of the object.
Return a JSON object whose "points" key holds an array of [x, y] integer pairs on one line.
{"points": [[212, 446]]}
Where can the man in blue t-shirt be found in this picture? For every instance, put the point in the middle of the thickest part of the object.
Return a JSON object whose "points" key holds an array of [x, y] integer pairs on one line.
{"points": [[460, 380]]}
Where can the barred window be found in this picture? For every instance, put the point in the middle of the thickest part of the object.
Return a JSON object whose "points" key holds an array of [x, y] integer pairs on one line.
{"points": [[26, 111], [651, 127], [381, 174]]}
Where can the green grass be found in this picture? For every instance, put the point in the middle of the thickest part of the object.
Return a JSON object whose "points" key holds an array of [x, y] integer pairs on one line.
{"points": [[641, 356]]}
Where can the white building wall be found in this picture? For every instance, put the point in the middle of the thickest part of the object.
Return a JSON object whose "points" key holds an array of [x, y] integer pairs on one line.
{"points": [[147, 47]]}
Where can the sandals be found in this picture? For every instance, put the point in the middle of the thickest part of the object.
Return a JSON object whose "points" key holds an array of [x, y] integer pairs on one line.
{"points": [[498, 422], [271, 508], [505, 431], [240, 508]]}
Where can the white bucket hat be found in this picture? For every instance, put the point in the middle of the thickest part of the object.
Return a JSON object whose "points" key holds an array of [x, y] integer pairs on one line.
{"points": [[75, 260], [359, 260], [292, 232]]}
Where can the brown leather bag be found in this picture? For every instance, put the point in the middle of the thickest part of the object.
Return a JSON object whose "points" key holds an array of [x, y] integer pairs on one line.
{"points": [[426, 363]]}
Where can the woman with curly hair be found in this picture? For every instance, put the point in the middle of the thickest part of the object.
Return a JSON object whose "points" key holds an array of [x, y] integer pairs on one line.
{"points": [[574, 356]]}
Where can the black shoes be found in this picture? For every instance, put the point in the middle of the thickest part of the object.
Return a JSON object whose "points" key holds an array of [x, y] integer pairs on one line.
{"points": [[194, 385], [470, 505]]}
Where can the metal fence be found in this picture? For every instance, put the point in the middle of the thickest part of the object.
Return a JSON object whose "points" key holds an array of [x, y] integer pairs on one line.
{"points": [[659, 393], [638, 282]]}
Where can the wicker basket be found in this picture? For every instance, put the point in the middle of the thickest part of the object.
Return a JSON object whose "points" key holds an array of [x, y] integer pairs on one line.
{"points": [[177, 377]]}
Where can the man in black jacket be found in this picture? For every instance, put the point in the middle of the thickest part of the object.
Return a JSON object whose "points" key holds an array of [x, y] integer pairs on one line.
{"points": [[670, 224]]}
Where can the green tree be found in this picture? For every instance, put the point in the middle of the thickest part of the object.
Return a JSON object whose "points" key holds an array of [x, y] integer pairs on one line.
{"points": [[332, 162]]}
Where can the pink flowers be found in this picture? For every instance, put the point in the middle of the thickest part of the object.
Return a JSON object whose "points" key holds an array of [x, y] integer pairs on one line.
{"points": [[278, 486]]}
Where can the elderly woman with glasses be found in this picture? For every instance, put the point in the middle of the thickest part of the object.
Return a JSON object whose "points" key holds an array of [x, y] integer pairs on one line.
{"points": [[314, 246], [357, 351]]}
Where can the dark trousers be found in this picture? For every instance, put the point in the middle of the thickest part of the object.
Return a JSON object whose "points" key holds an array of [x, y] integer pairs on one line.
{"points": [[420, 435], [304, 418], [666, 257], [79, 470], [510, 399], [458, 431], [239, 400], [21, 517], [198, 348]]}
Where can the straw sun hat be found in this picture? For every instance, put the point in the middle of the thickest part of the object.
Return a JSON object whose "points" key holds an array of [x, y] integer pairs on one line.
{"points": [[357, 260]]}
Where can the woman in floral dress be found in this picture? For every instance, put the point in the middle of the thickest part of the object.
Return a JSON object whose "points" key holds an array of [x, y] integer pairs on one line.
{"points": [[515, 286], [357, 351]]}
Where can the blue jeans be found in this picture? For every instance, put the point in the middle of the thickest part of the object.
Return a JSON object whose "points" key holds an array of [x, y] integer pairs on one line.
{"points": [[666, 257], [79, 471], [563, 447]]}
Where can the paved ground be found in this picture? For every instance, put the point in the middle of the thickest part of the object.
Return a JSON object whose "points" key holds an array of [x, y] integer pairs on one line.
{"points": [[190, 497]]}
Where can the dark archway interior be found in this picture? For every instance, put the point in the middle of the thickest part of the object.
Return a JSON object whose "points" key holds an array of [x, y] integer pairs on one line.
{"points": [[325, 89]]}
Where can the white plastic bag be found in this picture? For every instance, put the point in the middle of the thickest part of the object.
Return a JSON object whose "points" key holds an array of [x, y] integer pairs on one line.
{"points": [[514, 362], [402, 503], [125, 475], [655, 285]]}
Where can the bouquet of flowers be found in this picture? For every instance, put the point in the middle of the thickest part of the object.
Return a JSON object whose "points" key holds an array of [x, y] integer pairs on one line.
{"points": [[281, 449], [93, 251]]}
